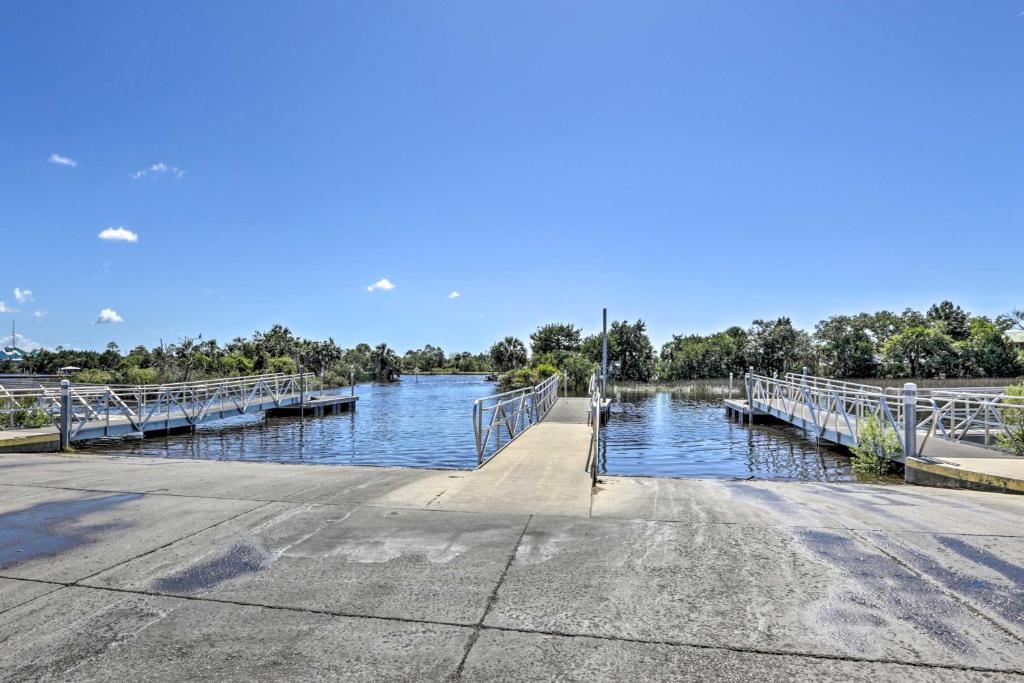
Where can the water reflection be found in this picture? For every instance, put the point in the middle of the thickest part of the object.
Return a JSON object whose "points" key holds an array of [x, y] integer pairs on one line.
{"points": [[665, 434]]}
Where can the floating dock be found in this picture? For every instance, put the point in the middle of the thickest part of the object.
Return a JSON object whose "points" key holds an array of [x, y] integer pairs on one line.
{"points": [[317, 406]]}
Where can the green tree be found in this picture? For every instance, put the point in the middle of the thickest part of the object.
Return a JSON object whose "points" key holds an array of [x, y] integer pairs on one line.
{"points": [[919, 352], [630, 352], [951, 319], [387, 367], [776, 346], [555, 337], [698, 357], [845, 348], [508, 354], [987, 352]]}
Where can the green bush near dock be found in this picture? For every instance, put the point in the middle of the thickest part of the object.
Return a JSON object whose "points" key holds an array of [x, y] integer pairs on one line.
{"points": [[877, 448], [1013, 418]]}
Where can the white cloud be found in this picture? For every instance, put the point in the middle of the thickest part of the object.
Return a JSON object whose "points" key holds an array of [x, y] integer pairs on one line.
{"points": [[22, 295], [39, 315], [160, 168], [62, 160], [119, 234], [454, 295], [382, 283], [108, 315], [4, 308], [26, 344]]}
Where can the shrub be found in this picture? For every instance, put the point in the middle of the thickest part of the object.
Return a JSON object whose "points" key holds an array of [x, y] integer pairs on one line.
{"points": [[521, 378], [876, 449], [90, 376], [1013, 418], [282, 364], [140, 376]]}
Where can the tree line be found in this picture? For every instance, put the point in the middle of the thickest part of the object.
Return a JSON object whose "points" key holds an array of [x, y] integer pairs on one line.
{"points": [[944, 341], [195, 358]]}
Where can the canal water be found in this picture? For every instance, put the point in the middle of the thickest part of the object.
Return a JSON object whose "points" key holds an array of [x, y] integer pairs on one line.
{"points": [[677, 435], [427, 422], [423, 421]]}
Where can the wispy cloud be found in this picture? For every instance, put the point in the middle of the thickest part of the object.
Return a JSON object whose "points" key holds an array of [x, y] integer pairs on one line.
{"points": [[119, 234], [39, 315], [22, 295], [23, 342], [4, 308], [108, 315], [454, 295], [382, 283], [159, 168], [62, 160]]}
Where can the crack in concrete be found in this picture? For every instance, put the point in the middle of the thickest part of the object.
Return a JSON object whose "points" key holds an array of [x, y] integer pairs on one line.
{"points": [[528, 631], [490, 601]]}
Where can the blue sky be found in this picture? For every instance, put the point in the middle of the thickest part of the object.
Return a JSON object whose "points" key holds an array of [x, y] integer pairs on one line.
{"points": [[694, 164]]}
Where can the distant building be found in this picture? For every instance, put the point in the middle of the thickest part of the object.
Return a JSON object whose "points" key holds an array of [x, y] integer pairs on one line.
{"points": [[1016, 338], [13, 354]]}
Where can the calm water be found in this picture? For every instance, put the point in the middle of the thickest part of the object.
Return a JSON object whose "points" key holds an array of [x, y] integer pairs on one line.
{"points": [[426, 422], [674, 435], [418, 422]]}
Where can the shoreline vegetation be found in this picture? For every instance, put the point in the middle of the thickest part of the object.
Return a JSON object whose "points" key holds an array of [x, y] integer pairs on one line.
{"points": [[945, 343]]}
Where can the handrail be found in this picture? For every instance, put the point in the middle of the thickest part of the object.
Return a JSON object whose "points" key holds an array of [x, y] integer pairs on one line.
{"points": [[96, 406], [512, 412], [594, 417], [951, 414]]}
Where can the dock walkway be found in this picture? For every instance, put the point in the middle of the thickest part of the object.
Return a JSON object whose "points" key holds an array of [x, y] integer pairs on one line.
{"points": [[544, 469], [936, 461]]}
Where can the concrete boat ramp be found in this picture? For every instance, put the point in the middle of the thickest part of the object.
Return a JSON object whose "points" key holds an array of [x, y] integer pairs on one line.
{"points": [[116, 568]]}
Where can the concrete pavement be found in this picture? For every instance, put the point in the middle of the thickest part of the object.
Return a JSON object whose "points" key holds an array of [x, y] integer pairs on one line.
{"points": [[115, 568]]}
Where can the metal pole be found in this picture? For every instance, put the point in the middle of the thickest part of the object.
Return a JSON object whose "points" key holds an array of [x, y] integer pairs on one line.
{"points": [[805, 376], [730, 385], [909, 419], [65, 414], [302, 392], [352, 380], [604, 352]]}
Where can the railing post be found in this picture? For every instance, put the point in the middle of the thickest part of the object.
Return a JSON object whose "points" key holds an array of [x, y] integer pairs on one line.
{"points": [[909, 419], [750, 394], [65, 414]]}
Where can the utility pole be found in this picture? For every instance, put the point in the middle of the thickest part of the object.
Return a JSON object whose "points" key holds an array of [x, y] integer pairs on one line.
{"points": [[604, 352]]}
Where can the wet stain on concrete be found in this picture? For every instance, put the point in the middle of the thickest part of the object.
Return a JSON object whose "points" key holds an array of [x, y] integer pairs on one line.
{"points": [[50, 528], [985, 558], [1005, 600], [240, 559], [881, 591]]}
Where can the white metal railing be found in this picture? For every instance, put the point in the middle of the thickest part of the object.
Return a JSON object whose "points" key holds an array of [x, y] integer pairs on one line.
{"points": [[96, 408], [917, 415], [510, 413], [594, 417]]}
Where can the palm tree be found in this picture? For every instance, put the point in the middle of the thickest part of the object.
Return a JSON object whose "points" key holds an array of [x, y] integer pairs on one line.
{"points": [[387, 367], [508, 354]]}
